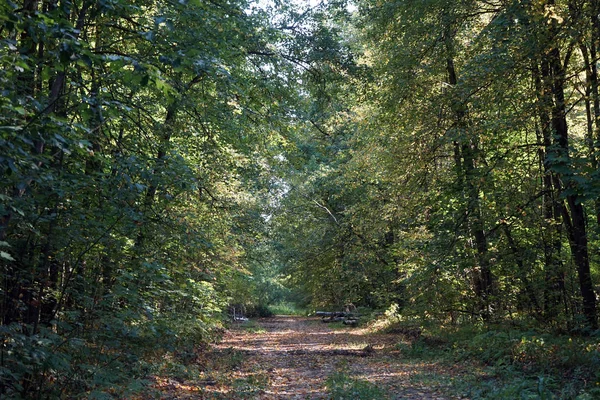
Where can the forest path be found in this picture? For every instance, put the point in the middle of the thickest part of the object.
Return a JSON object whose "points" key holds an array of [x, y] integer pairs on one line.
{"points": [[288, 357]]}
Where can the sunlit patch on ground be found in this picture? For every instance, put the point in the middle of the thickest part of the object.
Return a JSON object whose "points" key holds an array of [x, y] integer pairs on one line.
{"points": [[292, 358]]}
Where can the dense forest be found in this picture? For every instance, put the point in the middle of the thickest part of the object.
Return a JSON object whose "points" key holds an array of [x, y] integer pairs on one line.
{"points": [[164, 162]]}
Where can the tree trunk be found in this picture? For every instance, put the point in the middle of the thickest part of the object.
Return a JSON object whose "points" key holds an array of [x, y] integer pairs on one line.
{"points": [[593, 63], [552, 226], [465, 153], [160, 159], [558, 161]]}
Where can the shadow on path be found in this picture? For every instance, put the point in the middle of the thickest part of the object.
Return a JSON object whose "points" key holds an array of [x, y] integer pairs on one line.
{"points": [[292, 357]]}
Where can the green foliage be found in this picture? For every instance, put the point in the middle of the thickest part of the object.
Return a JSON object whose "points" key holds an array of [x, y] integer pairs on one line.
{"points": [[260, 310], [131, 185], [539, 388], [432, 174], [533, 352], [163, 160]]}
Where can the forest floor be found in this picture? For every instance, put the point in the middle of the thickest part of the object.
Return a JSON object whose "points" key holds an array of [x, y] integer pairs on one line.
{"points": [[289, 357]]}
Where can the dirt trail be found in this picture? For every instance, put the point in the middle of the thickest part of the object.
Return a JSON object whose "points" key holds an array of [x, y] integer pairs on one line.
{"points": [[288, 357]]}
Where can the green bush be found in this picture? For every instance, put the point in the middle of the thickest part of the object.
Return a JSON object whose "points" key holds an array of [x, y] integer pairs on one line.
{"points": [[492, 347], [258, 311]]}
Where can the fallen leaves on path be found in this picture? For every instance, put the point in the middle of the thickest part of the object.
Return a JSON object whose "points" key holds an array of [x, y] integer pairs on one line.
{"points": [[292, 357]]}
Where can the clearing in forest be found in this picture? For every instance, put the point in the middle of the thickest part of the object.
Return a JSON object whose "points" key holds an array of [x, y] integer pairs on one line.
{"points": [[288, 357]]}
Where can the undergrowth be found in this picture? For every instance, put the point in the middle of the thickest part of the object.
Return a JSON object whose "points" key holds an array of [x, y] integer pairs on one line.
{"points": [[506, 363]]}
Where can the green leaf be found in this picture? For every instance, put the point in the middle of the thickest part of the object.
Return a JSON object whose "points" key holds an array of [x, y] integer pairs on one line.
{"points": [[20, 110], [6, 256]]}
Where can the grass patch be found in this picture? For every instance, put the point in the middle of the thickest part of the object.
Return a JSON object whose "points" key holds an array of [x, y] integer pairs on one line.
{"points": [[287, 308], [224, 360], [251, 385], [341, 386], [253, 327]]}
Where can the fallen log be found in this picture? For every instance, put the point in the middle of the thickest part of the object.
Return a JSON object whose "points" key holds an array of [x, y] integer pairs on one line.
{"points": [[367, 351], [332, 314], [347, 318]]}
